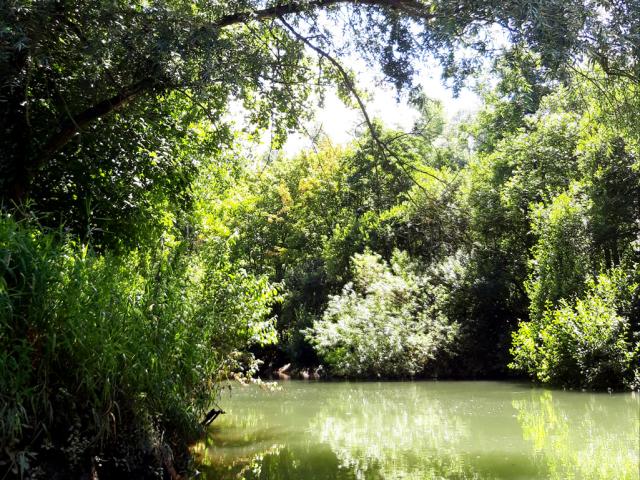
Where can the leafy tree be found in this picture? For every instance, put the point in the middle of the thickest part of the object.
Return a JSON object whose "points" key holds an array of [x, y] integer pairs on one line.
{"points": [[123, 187], [386, 323], [561, 259], [527, 165], [583, 334], [67, 66]]}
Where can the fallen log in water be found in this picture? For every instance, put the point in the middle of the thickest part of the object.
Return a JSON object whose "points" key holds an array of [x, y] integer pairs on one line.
{"points": [[211, 416]]}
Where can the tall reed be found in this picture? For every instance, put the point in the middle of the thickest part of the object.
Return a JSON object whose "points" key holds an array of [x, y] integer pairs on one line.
{"points": [[95, 345]]}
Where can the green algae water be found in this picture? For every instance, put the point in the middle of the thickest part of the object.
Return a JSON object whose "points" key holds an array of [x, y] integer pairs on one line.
{"points": [[422, 430]]}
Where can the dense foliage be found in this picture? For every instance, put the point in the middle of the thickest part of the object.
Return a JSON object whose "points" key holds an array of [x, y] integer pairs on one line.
{"points": [[109, 344], [585, 343], [508, 240], [388, 322], [144, 255]]}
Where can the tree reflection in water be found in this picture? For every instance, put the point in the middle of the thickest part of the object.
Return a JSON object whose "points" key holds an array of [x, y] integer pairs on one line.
{"points": [[453, 430], [598, 440]]}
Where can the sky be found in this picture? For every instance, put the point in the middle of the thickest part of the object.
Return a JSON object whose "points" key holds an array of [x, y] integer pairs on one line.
{"points": [[339, 122]]}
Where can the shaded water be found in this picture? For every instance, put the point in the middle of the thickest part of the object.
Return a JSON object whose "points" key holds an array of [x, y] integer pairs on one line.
{"points": [[422, 430]]}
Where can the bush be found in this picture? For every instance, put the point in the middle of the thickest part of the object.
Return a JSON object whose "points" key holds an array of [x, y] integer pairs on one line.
{"points": [[584, 343], [561, 256], [115, 344], [387, 323]]}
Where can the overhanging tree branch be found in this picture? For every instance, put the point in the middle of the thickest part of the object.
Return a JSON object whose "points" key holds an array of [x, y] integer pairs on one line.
{"points": [[348, 82], [71, 125], [413, 8]]}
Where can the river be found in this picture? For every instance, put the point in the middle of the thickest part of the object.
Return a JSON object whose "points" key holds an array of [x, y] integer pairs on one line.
{"points": [[421, 430]]}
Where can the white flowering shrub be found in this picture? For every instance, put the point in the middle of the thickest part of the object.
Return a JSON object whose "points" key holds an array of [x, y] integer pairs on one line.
{"points": [[387, 323]]}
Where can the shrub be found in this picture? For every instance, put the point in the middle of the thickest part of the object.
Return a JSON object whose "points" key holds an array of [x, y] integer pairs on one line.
{"points": [[386, 323], [584, 343]]}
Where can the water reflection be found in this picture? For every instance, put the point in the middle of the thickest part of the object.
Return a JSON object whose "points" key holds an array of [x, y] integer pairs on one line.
{"points": [[597, 438], [390, 428], [453, 430]]}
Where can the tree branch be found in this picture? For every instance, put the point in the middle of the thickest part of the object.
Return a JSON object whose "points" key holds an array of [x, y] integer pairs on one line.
{"points": [[384, 148], [70, 126], [413, 8]]}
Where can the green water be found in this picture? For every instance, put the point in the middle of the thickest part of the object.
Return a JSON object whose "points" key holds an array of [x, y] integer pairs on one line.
{"points": [[422, 430]]}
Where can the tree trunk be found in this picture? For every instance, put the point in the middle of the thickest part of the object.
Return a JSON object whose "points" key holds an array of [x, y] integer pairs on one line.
{"points": [[15, 139], [21, 164]]}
